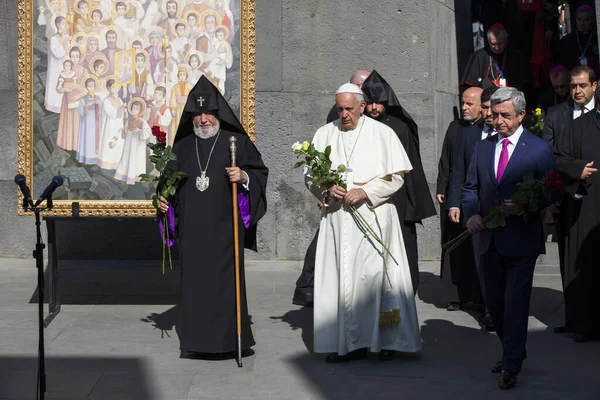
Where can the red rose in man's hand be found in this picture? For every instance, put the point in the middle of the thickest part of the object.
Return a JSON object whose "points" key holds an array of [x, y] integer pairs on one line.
{"points": [[554, 181]]}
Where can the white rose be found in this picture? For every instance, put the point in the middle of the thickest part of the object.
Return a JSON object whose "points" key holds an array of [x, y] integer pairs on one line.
{"points": [[297, 146]]}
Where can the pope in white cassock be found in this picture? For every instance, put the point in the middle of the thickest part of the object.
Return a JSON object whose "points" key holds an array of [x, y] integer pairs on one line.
{"points": [[364, 301]]}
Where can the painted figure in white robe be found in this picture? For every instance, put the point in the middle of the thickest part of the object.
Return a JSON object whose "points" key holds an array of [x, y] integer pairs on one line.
{"points": [[363, 300], [181, 44], [89, 124], [195, 63], [128, 21], [48, 15], [195, 31], [136, 135], [58, 46], [111, 139], [223, 60]]}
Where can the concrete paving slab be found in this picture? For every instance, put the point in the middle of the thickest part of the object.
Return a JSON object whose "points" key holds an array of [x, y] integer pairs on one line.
{"points": [[116, 338]]}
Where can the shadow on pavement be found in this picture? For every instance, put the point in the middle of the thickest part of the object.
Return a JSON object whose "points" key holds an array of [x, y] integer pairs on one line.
{"points": [[77, 378]]}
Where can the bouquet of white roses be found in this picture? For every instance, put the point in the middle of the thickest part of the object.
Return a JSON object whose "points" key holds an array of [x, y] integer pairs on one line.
{"points": [[318, 167]]}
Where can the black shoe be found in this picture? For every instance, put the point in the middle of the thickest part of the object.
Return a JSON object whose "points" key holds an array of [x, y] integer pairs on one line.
{"points": [[508, 380], [487, 323], [303, 299], [454, 306], [562, 328], [387, 355], [585, 337], [497, 367], [335, 358]]}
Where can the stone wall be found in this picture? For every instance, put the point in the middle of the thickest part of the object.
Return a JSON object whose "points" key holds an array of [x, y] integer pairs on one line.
{"points": [[305, 50]]}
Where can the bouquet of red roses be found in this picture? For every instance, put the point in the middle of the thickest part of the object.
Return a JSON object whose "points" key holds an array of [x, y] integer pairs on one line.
{"points": [[166, 186], [528, 196]]}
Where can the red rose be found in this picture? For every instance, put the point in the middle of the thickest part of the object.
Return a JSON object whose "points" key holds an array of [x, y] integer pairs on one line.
{"points": [[155, 130], [161, 137], [554, 180]]}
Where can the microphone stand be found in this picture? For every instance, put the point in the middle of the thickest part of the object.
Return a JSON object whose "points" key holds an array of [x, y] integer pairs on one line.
{"points": [[38, 254]]}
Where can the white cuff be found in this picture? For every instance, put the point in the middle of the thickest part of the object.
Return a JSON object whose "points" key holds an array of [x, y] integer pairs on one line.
{"points": [[247, 184]]}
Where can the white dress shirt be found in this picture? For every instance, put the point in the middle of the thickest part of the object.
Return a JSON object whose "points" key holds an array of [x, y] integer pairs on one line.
{"points": [[577, 111], [487, 131], [513, 139]]}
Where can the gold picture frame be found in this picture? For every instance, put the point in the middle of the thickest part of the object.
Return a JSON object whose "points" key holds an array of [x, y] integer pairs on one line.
{"points": [[32, 98]]}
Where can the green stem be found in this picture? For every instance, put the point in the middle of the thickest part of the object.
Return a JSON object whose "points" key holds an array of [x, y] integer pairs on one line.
{"points": [[365, 225]]}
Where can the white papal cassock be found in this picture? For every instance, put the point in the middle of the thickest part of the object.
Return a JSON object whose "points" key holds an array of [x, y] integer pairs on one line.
{"points": [[359, 290]]}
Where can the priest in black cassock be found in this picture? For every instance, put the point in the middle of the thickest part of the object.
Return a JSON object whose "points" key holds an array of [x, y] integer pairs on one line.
{"points": [[204, 222], [577, 155], [413, 201], [498, 63], [580, 47]]}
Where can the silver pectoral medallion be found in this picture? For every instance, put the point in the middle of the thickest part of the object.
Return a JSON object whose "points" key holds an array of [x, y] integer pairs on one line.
{"points": [[202, 182]]}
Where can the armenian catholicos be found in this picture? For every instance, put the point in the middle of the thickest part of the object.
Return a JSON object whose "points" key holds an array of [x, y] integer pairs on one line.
{"points": [[363, 299], [203, 205], [413, 200]]}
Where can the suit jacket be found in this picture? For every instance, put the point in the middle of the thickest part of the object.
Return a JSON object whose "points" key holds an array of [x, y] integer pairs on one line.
{"points": [[460, 164], [557, 119], [449, 151], [481, 192]]}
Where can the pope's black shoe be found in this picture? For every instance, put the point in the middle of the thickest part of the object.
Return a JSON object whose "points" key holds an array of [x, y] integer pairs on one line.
{"points": [[335, 358], [508, 380], [454, 306], [387, 355], [303, 299]]}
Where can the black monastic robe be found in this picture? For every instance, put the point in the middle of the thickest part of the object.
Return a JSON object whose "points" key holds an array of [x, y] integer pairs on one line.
{"points": [[205, 240], [481, 70], [580, 213], [413, 201]]}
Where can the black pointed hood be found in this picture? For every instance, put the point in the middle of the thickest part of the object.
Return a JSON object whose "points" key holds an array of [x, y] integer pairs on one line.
{"points": [[417, 204], [377, 90], [205, 97]]}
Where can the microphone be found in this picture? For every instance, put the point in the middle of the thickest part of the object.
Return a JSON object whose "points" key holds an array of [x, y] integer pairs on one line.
{"points": [[56, 182], [20, 180]]}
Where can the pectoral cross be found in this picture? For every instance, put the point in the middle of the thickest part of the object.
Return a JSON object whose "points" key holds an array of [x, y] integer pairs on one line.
{"points": [[200, 100]]}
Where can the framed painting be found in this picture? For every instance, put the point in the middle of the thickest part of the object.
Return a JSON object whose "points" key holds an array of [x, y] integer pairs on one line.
{"points": [[89, 69]]}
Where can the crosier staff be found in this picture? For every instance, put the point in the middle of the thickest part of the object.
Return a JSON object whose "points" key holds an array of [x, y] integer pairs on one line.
{"points": [[238, 311]]}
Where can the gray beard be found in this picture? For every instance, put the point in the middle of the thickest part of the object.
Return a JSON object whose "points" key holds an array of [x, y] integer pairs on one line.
{"points": [[211, 132]]}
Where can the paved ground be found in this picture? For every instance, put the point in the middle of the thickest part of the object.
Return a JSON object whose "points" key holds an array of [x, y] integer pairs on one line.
{"points": [[115, 338]]}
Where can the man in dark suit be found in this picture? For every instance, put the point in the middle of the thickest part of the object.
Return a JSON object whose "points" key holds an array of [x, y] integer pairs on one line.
{"points": [[507, 255], [462, 260], [471, 112], [583, 85]]}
